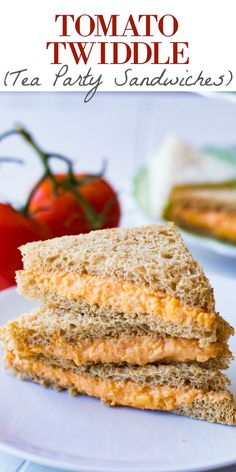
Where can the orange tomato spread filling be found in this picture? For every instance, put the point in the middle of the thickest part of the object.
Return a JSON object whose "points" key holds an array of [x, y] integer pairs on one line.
{"points": [[138, 350], [220, 224], [122, 295], [127, 393]]}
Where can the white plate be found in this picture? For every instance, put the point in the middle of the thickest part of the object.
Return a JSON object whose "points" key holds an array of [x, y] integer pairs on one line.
{"points": [[82, 434]]}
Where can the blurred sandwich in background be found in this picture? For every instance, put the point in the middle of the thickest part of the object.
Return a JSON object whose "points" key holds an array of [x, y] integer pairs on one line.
{"points": [[194, 189]]}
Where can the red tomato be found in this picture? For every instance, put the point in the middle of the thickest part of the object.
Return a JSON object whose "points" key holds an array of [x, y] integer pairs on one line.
{"points": [[15, 229], [63, 213]]}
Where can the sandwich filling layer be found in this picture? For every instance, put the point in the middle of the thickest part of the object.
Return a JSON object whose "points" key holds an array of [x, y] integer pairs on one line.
{"points": [[138, 350], [127, 393], [124, 296], [218, 223]]}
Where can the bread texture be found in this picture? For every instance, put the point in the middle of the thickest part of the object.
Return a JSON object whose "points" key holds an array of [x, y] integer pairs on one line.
{"points": [[101, 321], [127, 316], [181, 375], [204, 408], [153, 256], [213, 405], [46, 326]]}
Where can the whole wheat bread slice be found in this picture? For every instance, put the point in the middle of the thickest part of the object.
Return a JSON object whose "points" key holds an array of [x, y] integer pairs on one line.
{"points": [[43, 327], [211, 405], [30, 288], [152, 256], [181, 375]]}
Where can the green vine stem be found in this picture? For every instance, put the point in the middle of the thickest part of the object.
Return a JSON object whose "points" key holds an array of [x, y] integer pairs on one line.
{"points": [[69, 184]]}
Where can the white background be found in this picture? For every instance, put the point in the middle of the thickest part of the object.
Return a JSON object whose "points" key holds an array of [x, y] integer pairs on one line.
{"points": [[26, 27], [123, 128]]}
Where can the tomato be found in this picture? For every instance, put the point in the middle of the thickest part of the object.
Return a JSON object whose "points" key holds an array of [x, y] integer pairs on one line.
{"points": [[64, 214], [15, 229], [6, 281]]}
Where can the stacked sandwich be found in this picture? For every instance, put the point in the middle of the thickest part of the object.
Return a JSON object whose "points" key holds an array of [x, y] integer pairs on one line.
{"points": [[127, 316]]}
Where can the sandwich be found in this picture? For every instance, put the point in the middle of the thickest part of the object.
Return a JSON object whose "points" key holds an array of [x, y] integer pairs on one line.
{"points": [[128, 316], [194, 189], [206, 209]]}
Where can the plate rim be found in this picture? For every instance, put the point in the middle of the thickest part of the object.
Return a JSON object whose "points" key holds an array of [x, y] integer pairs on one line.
{"points": [[66, 466], [106, 466]]}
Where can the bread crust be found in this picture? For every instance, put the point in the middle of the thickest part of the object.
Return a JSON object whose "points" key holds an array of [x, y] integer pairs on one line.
{"points": [[203, 407], [110, 321], [181, 375], [154, 256], [42, 325]]}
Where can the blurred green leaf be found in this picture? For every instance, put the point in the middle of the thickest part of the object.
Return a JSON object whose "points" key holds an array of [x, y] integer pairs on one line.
{"points": [[140, 189], [224, 153]]}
